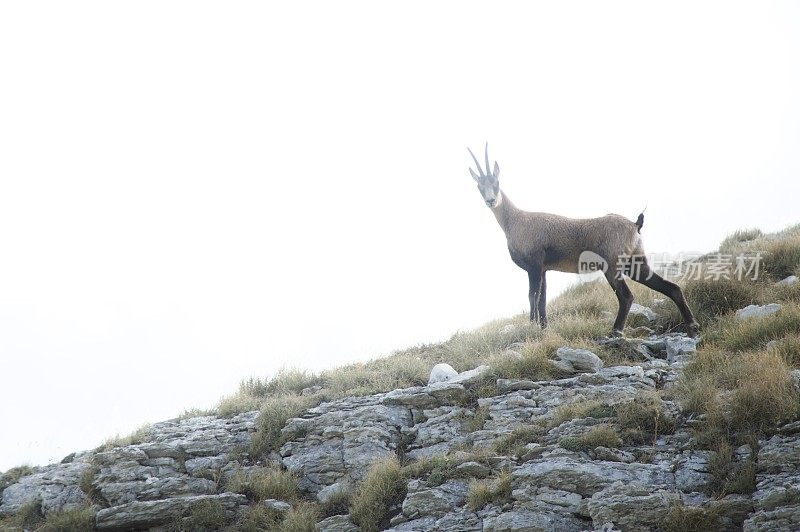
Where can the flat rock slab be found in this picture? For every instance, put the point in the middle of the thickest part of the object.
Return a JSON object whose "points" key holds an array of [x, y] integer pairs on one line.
{"points": [[587, 477], [146, 514]]}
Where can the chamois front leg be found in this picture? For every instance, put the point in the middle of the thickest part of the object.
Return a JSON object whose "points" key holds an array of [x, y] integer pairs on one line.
{"points": [[535, 276]]}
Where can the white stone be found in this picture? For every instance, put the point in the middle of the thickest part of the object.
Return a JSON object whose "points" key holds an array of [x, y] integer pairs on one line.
{"points": [[648, 313], [279, 506], [792, 279], [471, 375], [757, 311], [581, 360], [442, 373]]}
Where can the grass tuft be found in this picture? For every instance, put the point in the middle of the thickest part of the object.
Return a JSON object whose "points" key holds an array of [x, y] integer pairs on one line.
{"points": [[691, 519], [140, 435], [782, 257], [788, 348], [383, 488], [711, 298], [13, 475], [732, 334], [579, 410], [258, 484], [644, 418], [301, 518], [729, 476], [274, 414], [490, 491], [740, 394], [204, 516], [519, 437], [733, 242]]}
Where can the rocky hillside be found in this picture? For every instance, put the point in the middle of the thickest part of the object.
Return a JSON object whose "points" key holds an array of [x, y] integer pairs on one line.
{"points": [[564, 429]]}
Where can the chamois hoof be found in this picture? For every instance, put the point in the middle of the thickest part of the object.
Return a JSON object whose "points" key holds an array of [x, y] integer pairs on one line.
{"points": [[616, 333]]}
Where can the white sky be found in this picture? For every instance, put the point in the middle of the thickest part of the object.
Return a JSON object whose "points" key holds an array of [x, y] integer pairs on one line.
{"points": [[194, 192]]}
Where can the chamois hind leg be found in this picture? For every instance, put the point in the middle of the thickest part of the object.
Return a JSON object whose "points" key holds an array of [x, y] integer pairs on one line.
{"points": [[625, 298], [543, 301], [642, 273], [535, 276]]}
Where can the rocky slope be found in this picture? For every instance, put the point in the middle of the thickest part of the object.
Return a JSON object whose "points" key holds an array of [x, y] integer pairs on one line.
{"points": [[595, 450]]}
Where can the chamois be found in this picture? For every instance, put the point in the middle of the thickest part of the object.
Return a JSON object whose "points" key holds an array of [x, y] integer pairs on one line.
{"points": [[539, 242]]}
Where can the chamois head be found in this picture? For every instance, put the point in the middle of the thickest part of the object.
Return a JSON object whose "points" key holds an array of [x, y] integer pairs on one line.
{"points": [[488, 184]]}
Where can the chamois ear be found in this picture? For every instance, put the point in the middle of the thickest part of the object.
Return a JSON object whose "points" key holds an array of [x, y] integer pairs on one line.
{"points": [[474, 176], [496, 170]]}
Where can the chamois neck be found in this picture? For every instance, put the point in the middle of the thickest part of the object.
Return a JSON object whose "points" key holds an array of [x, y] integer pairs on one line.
{"points": [[504, 211]]}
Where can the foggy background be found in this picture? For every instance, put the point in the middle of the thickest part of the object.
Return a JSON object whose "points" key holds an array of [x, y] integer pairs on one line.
{"points": [[195, 192]]}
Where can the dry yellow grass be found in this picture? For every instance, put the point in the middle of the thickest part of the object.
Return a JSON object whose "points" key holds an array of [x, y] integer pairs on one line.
{"points": [[140, 435], [494, 491], [384, 487], [264, 483]]}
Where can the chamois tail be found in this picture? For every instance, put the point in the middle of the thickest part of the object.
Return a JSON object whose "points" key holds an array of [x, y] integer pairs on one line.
{"points": [[639, 222]]}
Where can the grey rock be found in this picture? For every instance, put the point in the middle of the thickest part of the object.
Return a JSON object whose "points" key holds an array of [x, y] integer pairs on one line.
{"points": [[446, 427], [645, 312], [532, 521], [631, 506], [732, 510], [785, 519], [339, 440], [473, 469], [579, 360], [514, 385], [278, 506], [757, 311], [55, 486], [678, 346], [146, 514], [789, 281], [337, 523], [401, 523], [692, 471], [612, 455], [587, 477], [778, 477], [422, 500], [328, 492]]}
